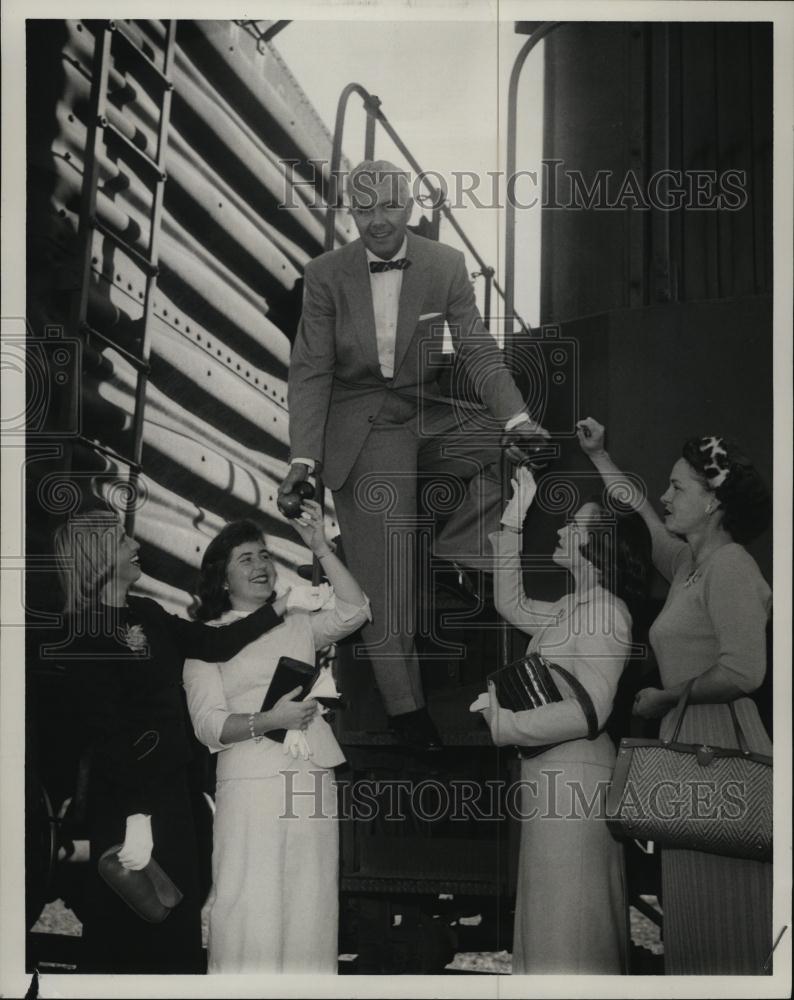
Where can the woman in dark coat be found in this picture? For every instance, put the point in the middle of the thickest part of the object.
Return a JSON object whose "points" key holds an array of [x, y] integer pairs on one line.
{"points": [[126, 655]]}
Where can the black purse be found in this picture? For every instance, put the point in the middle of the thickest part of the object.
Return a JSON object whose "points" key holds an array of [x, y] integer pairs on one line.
{"points": [[528, 683], [290, 673]]}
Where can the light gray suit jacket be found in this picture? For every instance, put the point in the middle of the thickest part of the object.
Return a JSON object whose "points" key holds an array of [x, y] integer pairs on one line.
{"points": [[336, 387]]}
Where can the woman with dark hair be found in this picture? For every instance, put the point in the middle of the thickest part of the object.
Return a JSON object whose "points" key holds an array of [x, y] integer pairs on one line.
{"points": [[275, 853], [125, 655], [711, 633], [571, 907]]}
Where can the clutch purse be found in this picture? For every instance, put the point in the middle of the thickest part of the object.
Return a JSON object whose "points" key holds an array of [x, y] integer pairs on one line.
{"points": [[698, 797], [149, 891], [528, 683], [290, 673]]}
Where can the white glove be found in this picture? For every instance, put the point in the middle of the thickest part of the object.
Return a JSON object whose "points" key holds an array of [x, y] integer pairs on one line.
{"points": [[296, 745], [483, 701], [524, 490], [309, 598], [136, 851], [324, 686]]}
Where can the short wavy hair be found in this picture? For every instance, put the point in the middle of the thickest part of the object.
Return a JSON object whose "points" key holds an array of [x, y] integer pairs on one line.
{"points": [[619, 546], [86, 549], [727, 472], [213, 596]]}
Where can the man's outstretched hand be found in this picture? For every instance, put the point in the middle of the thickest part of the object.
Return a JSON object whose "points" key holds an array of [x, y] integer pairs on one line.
{"points": [[297, 473], [527, 442]]}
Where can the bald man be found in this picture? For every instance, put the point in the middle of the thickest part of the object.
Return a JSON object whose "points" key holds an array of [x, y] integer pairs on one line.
{"points": [[365, 402]]}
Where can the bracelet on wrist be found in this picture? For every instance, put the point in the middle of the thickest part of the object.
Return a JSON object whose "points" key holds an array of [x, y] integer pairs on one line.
{"points": [[254, 737]]}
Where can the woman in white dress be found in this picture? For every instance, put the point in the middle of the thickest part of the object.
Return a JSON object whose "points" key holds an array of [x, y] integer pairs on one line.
{"points": [[571, 909], [274, 901]]}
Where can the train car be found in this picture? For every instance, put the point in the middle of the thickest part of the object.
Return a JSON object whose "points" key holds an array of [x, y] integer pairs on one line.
{"points": [[164, 290]]}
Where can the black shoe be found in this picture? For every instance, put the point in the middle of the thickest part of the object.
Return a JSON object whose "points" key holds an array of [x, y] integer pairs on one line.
{"points": [[415, 730]]}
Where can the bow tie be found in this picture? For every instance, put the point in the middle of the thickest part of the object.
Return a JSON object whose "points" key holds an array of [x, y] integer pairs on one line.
{"points": [[379, 266]]}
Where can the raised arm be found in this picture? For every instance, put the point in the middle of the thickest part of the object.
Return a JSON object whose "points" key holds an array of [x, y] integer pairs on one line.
{"points": [[478, 350], [219, 644], [667, 549], [311, 369], [351, 605], [510, 599]]}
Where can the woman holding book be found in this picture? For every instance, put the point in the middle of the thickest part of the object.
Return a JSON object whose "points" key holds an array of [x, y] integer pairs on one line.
{"points": [[275, 856], [571, 908]]}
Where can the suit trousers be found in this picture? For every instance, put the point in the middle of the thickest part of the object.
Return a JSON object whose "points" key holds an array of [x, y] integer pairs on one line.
{"points": [[448, 456]]}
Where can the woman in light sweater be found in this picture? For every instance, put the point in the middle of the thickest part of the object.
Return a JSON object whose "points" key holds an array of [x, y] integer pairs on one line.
{"points": [[275, 855], [571, 910], [712, 630]]}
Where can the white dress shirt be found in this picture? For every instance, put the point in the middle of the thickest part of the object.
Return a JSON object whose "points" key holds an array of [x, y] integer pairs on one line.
{"points": [[386, 287]]}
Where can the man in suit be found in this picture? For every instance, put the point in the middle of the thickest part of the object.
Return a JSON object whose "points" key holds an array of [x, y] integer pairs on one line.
{"points": [[364, 402]]}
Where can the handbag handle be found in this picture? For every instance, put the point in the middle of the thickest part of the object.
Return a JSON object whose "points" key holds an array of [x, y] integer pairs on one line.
{"points": [[681, 707], [582, 696]]}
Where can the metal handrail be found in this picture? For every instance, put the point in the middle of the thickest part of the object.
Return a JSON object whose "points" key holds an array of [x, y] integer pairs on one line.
{"points": [[544, 29], [372, 106], [510, 210]]}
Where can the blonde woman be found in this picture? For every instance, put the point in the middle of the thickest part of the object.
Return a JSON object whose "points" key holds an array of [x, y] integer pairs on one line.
{"points": [[125, 655]]}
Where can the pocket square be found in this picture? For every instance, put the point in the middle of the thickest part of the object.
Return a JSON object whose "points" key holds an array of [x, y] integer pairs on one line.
{"points": [[425, 316]]}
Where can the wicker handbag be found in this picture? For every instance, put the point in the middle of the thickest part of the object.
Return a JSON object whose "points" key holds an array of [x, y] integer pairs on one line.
{"points": [[694, 796]]}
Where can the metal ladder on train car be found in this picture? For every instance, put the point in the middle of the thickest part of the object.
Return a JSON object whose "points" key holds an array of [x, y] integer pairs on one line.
{"points": [[113, 35]]}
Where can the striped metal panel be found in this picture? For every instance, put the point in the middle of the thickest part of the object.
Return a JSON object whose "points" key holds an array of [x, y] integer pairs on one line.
{"points": [[228, 291]]}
